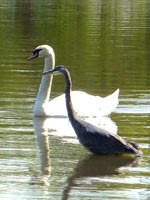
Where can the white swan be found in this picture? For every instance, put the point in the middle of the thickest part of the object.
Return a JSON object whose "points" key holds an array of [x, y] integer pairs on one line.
{"points": [[56, 107]]}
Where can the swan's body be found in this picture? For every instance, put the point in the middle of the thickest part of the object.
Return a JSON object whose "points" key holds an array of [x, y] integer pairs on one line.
{"points": [[96, 140], [81, 101], [45, 107]]}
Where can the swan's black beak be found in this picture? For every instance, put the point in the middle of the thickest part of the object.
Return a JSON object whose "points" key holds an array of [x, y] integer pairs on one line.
{"points": [[35, 55]]}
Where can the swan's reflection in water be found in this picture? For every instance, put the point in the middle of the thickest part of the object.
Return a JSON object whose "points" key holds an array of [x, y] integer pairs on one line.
{"points": [[43, 144], [95, 167], [43, 127], [91, 166], [61, 127]]}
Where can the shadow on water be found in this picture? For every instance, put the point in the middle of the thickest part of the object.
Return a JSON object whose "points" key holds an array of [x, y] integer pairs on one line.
{"points": [[98, 166]]}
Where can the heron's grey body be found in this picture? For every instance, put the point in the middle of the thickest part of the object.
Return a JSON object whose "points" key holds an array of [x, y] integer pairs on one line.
{"points": [[96, 140]]}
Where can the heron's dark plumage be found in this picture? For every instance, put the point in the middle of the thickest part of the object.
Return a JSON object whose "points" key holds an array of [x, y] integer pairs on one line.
{"points": [[96, 140], [100, 141]]}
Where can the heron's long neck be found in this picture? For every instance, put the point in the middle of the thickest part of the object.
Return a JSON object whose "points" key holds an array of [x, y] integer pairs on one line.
{"points": [[71, 113], [46, 83]]}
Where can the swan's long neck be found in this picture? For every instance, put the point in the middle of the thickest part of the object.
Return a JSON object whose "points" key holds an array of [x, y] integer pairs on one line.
{"points": [[71, 113], [46, 83]]}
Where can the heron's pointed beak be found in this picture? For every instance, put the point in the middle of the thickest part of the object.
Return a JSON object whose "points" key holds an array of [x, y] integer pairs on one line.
{"points": [[47, 72]]}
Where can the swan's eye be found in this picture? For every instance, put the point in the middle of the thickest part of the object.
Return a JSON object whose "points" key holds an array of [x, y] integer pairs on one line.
{"points": [[36, 52]]}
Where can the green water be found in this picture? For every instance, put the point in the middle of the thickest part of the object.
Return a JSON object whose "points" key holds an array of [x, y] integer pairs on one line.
{"points": [[105, 45]]}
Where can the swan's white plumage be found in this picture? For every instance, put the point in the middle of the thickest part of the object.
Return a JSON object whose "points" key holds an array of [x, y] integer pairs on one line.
{"points": [[85, 105]]}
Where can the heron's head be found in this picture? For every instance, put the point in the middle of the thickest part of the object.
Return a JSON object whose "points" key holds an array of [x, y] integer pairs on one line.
{"points": [[57, 70], [42, 51]]}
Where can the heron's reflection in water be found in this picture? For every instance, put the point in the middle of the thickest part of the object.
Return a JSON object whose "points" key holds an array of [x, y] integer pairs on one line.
{"points": [[97, 166], [92, 166], [41, 133], [43, 127]]}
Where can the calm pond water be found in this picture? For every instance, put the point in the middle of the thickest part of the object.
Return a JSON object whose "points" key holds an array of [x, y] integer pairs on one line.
{"points": [[106, 45]]}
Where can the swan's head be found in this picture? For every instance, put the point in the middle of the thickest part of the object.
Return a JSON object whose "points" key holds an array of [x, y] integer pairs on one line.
{"points": [[42, 51]]}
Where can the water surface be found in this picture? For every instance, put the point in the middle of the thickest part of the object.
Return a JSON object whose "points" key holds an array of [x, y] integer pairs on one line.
{"points": [[105, 45]]}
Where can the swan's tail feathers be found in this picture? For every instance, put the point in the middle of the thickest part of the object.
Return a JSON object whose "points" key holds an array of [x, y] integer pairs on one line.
{"points": [[111, 102]]}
